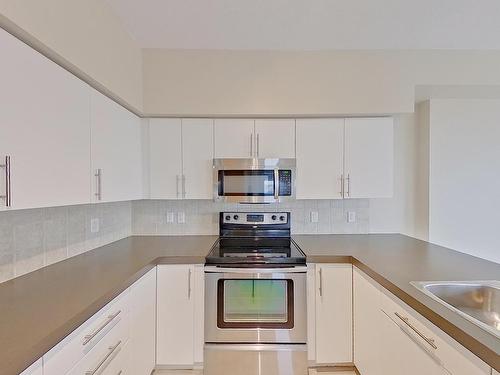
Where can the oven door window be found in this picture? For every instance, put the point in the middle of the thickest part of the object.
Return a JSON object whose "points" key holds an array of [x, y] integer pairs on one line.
{"points": [[250, 183], [255, 303]]}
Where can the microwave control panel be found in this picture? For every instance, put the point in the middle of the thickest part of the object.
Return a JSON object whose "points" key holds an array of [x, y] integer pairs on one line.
{"points": [[285, 178]]}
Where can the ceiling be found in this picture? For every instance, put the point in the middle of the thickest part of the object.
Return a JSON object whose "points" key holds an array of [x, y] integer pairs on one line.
{"points": [[312, 24]]}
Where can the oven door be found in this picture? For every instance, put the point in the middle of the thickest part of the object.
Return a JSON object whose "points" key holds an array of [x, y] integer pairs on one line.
{"points": [[255, 305], [254, 180]]}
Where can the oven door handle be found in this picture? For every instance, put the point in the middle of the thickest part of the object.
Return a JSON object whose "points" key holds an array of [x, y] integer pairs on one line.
{"points": [[215, 269]]}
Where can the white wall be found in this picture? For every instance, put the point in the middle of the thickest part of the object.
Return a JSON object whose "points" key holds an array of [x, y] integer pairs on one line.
{"points": [[85, 36], [464, 184]]}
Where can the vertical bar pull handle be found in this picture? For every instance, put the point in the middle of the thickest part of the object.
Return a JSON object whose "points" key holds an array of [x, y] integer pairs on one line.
{"points": [[177, 178], [183, 186], [341, 186], [321, 282], [349, 185], [258, 145], [98, 188], [8, 193], [251, 145], [189, 283], [276, 184]]}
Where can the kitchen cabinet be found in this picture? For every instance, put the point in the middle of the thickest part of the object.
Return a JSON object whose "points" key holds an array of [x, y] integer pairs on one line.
{"points": [[176, 333], [35, 369], [44, 128], [234, 138], [333, 313], [320, 158], [165, 158], [143, 324], [181, 157], [116, 151], [369, 164], [367, 316], [275, 138]]}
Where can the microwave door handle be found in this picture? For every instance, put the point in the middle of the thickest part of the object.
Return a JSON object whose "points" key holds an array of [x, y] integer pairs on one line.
{"points": [[276, 184]]}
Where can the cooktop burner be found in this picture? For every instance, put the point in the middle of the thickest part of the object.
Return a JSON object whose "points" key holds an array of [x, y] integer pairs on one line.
{"points": [[255, 238]]}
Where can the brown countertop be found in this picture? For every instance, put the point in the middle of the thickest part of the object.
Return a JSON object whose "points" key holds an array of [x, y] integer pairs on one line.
{"points": [[39, 309], [395, 260]]}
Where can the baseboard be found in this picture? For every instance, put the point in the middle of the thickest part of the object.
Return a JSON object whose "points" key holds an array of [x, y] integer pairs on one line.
{"points": [[336, 368]]}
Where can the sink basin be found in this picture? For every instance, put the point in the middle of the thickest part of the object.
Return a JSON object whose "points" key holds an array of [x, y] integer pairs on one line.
{"points": [[477, 301]]}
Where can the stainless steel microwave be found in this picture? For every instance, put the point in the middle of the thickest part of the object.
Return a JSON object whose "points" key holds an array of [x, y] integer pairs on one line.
{"points": [[254, 180]]}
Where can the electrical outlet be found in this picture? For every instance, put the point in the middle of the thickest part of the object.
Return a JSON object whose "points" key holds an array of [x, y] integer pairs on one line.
{"points": [[94, 225], [170, 217], [351, 217], [181, 217], [314, 216]]}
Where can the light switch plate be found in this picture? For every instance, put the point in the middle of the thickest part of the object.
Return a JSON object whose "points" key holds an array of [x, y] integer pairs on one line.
{"points": [[94, 225], [181, 217], [351, 217], [170, 217], [314, 216]]}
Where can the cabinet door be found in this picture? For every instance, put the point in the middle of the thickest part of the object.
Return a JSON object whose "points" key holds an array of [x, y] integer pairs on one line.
{"points": [[197, 158], [333, 313], [165, 158], [44, 128], [369, 164], [275, 138], [234, 138], [116, 151], [400, 354], [175, 316], [143, 323], [367, 332], [35, 369], [320, 158]]}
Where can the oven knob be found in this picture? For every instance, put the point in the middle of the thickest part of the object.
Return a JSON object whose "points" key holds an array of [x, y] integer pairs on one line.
{"points": [[236, 217], [228, 217], [274, 217], [282, 218]]}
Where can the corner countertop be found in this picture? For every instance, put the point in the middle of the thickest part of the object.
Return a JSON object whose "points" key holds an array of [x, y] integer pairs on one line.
{"points": [[39, 309]]}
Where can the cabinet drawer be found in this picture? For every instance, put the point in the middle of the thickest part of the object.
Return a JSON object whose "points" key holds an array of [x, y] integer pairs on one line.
{"points": [[106, 354], [453, 357], [61, 358]]}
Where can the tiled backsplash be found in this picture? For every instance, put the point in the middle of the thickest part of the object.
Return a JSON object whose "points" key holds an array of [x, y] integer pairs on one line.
{"points": [[150, 217], [32, 239]]}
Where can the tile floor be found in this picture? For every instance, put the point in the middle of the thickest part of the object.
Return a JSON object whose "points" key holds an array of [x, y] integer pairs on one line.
{"points": [[198, 372]]}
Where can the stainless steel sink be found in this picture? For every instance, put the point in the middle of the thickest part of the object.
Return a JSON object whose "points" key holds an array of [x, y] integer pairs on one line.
{"points": [[478, 301]]}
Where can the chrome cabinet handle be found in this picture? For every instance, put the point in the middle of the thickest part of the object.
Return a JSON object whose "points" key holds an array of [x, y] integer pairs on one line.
{"points": [[189, 283], [98, 189], [349, 185], [258, 145], [111, 350], [405, 320], [251, 145], [183, 186], [109, 319], [177, 178], [321, 282], [8, 196]]}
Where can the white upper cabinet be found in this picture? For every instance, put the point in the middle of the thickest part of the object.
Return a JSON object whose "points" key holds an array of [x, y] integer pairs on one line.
{"points": [[320, 158], [44, 128], [165, 158], [180, 158], [369, 163], [234, 138], [275, 138], [116, 151], [197, 158], [333, 313]]}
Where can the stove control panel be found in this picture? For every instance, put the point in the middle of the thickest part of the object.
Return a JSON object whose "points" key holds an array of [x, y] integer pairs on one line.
{"points": [[252, 218]]}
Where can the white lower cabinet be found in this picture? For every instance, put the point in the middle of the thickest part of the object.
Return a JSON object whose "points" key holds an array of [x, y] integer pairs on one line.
{"points": [[390, 338], [143, 324], [35, 369], [333, 313], [177, 335]]}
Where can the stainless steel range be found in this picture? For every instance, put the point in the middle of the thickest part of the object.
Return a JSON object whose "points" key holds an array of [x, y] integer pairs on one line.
{"points": [[255, 298]]}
